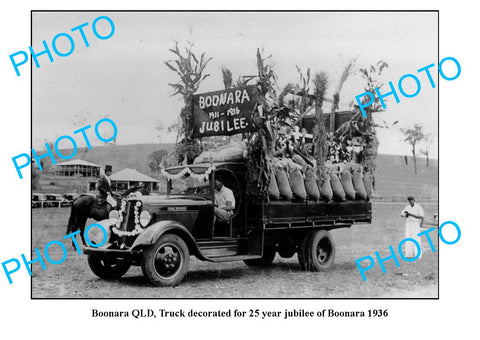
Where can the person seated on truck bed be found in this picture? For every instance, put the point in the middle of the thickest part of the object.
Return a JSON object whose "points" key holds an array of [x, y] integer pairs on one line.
{"points": [[224, 200]]}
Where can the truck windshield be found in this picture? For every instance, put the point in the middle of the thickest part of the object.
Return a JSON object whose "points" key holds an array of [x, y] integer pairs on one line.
{"points": [[187, 185]]}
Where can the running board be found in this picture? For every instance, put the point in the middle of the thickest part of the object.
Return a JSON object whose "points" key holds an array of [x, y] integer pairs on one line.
{"points": [[234, 258], [219, 248], [222, 248]]}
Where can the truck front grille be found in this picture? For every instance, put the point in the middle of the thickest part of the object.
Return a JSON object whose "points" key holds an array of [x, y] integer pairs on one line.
{"points": [[128, 223]]}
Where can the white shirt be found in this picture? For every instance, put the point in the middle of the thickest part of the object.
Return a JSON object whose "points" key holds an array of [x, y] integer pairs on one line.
{"points": [[223, 196], [415, 210]]}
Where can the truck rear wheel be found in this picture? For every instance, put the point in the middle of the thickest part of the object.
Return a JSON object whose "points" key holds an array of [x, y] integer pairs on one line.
{"points": [[108, 268], [265, 261], [166, 262], [320, 251]]}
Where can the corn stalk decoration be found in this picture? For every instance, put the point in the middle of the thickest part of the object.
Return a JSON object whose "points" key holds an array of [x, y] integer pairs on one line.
{"points": [[227, 78], [190, 70], [371, 140], [304, 104], [320, 133], [261, 143], [347, 72]]}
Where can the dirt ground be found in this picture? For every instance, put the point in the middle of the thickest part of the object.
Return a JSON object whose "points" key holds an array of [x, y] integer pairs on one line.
{"points": [[419, 279]]}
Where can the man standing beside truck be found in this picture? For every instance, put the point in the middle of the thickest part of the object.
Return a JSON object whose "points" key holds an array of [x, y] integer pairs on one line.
{"points": [[413, 212]]}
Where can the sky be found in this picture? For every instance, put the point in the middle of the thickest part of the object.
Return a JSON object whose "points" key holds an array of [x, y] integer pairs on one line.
{"points": [[125, 77]]}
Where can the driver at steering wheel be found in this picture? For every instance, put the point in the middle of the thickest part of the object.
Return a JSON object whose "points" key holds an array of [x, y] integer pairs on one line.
{"points": [[224, 200]]}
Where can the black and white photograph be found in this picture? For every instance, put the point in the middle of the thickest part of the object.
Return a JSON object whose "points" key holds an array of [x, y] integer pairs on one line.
{"points": [[235, 155], [241, 170]]}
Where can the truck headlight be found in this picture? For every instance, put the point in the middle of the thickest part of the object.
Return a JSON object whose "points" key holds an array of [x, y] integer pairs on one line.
{"points": [[145, 218], [113, 216]]}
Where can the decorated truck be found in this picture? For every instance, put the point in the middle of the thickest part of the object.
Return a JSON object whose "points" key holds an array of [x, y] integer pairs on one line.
{"points": [[161, 232], [294, 177]]}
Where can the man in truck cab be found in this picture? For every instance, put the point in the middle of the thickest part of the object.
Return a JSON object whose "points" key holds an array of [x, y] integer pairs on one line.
{"points": [[224, 200]]}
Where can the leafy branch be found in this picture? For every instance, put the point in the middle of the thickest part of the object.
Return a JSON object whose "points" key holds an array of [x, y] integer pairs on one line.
{"points": [[190, 69]]}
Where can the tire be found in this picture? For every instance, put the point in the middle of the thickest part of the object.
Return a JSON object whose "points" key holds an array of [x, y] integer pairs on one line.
{"points": [[166, 262], [320, 251], [265, 261], [108, 268], [302, 254]]}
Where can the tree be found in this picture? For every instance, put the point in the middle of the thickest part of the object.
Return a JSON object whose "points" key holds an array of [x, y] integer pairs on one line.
{"points": [[160, 127], [428, 139], [46, 163], [156, 158], [35, 178], [414, 136]]}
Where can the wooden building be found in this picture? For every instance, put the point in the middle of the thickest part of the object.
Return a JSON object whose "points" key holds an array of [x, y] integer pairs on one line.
{"points": [[77, 167], [127, 178]]}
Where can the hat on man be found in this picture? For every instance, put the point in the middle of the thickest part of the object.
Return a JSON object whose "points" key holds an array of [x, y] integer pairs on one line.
{"points": [[219, 177], [410, 198], [108, 168]]}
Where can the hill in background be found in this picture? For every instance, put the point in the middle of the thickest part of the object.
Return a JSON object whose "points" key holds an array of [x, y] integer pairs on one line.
{"points": [[394, 179], [134, 156]]}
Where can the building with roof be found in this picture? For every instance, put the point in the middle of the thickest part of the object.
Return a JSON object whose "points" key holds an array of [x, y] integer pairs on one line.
{"points": [[127, 178], [77, 167]]}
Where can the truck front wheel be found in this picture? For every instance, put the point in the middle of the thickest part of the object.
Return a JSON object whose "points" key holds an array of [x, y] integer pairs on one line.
{"points": [[320, 251], [166, 262], [108, 268]]}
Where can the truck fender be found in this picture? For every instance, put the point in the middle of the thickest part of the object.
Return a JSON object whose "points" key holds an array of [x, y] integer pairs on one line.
{"points": [[151, 235], [96, 234]]}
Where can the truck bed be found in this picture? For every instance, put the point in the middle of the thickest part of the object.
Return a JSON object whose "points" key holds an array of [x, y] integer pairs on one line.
{"points": [[278, 213]]}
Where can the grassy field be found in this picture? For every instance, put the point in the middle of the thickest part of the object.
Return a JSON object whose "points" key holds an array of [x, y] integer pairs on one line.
{"points": [[395, 179], [73, 278]]}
